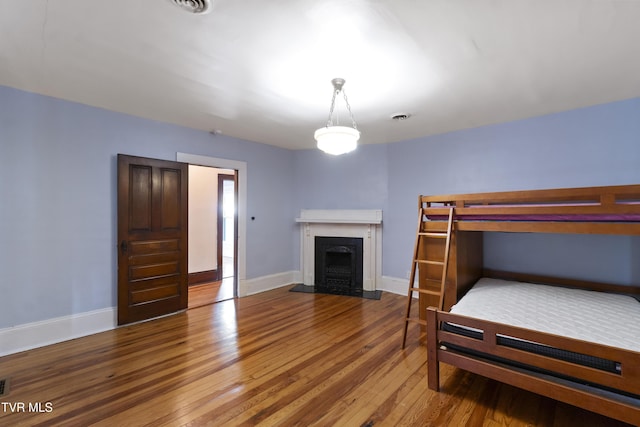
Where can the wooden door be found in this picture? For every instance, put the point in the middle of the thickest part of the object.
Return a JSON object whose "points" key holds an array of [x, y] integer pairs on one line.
{"points": [[152, 238]]}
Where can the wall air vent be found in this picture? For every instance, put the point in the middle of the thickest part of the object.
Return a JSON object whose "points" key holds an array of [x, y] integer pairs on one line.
{"points": [[197, 7]]}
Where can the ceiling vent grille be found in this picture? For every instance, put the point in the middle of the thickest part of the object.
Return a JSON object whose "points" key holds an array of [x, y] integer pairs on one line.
{"points": [[197, 7], [400, 116]]}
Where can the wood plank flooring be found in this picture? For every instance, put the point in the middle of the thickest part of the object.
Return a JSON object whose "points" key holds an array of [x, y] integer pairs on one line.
{"points": [[276, 358], [208, 293]]}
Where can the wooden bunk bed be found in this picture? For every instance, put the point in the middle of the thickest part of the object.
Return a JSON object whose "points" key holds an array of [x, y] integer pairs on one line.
{"points": [[487, 346]]}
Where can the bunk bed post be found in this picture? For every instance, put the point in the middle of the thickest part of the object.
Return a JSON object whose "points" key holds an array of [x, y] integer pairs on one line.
{"points": [[445, 266], [433, 365]]}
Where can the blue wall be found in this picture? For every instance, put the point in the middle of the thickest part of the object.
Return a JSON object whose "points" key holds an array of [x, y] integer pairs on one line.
{"points": [[587, 147], [58, 201], [58, 194], [357, 180]]}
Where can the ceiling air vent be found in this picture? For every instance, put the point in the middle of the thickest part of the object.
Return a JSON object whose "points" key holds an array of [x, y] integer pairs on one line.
{"points": [[197, 7], [400, 116]]}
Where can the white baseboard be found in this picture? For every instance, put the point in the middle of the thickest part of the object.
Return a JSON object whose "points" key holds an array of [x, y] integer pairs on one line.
{"points": [[266, 283], [394, 285], [38, 334], [51, 331]]}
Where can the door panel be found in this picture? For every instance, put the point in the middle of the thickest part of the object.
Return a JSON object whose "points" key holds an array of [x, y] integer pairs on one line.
{"points": [[140, 197], [170, 199], [152, 231]]}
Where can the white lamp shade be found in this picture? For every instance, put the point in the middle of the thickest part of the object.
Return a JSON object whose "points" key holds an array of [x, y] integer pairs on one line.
{"points": [[337, 139]]}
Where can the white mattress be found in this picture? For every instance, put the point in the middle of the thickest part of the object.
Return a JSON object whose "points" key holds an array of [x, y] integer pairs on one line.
{"points": [[598, 317]]}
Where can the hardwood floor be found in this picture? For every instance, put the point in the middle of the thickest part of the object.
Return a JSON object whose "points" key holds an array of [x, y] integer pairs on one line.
{"points": [[208, 293], [276, 358]]}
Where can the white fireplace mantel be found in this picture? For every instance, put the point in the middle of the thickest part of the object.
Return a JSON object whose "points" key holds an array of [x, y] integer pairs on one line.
{"points": [[365, 224], [341, 216]]}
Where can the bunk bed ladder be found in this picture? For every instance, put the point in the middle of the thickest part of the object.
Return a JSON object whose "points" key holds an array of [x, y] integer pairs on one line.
{"points": [[427, 258]]}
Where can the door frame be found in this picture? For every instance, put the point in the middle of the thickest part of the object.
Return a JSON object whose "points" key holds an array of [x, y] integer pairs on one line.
{"points": [[240, 278]]}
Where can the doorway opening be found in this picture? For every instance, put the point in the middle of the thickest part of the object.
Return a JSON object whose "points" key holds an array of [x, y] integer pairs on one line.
{"points": [[240, 169], [227, 235], [212, 235]]}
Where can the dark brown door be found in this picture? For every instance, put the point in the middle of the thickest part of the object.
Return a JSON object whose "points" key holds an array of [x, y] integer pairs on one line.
{"points": [[152, 236]]}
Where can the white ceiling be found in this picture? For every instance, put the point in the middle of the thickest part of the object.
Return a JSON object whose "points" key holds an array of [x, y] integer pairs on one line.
{"points": [[261, 70]]}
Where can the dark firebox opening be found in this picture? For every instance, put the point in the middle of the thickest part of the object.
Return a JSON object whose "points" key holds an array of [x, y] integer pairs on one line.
{"points": [[338, 265]]}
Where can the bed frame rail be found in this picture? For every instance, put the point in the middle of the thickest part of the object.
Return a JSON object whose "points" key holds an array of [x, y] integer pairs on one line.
{"points": [[597, 210], [602, 196]]}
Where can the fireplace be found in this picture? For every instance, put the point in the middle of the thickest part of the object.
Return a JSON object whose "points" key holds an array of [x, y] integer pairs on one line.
{"points": [[364, 225], [338, 265]]}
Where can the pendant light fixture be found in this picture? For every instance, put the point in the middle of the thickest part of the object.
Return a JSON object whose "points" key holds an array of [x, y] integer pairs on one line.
{"points": [[333, 138]]}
